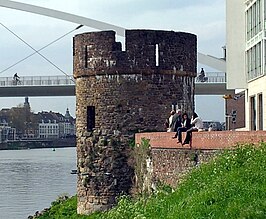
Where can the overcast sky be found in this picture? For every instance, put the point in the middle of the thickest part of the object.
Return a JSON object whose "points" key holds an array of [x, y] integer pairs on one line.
{"points": [[205, 18]]}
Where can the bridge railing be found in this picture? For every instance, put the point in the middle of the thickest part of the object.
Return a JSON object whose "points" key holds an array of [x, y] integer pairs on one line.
{"points": [[211, 77], [37, 81]]}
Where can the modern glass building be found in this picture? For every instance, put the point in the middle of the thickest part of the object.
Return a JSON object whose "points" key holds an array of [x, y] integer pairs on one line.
{"points": [[246, 56]]}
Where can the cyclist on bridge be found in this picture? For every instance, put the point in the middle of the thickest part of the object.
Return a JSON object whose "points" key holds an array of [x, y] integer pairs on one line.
{"points": [[16, 78]]}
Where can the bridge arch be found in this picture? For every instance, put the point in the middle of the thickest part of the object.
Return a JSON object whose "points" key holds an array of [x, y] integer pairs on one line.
{"points": [[211, 61]]}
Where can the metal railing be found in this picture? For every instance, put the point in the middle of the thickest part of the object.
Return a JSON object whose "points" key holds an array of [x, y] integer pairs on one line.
{"points": [[37, 81], [210, 77]]}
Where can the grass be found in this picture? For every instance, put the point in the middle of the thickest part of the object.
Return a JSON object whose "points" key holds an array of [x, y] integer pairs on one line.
{"points": [[231, 186]]}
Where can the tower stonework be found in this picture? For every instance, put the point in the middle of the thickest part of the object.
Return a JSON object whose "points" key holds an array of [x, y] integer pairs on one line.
{"points": [[119, 93]]}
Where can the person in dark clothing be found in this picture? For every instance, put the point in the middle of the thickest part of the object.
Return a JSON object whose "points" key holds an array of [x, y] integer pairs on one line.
{"points": [[197, 125], [201, 76], [186, 124], [177, 120], [16, 78]]}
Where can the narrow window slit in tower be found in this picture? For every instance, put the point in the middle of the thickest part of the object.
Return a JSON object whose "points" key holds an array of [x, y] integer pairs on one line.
{"points": [[90, 118], [86, 57], [157, 54]]}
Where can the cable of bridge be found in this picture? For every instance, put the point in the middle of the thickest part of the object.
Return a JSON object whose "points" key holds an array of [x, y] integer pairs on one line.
{"points": [[38, 51]]}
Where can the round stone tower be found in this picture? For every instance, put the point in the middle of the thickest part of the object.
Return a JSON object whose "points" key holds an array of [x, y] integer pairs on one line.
{"points": [[119, 93]]}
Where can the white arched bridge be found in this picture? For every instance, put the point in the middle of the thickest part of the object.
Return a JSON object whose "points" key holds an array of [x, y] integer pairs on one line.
{"points": [[214, 84], [216, 63]]}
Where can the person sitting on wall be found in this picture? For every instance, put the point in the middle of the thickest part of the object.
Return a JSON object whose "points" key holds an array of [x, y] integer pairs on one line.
{"points": [[178, 119], [175, 120], [197, 125], [170, 125], [186, 124]]}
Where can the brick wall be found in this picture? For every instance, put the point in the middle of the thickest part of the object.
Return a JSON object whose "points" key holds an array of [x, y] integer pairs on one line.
{"points": [[170, 165], [170, 161], [237, 104]]}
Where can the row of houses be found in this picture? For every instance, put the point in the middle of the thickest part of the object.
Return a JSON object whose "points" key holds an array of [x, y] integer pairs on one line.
{"points": [[55, 125], [20, 123]]}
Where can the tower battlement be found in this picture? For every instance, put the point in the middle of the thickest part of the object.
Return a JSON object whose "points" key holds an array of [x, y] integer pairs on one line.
{"points": [[146, 51]]}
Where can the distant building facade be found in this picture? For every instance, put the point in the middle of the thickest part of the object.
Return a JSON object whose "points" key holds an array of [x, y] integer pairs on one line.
{"points": [[48, 129], [7, 133], [20, 123], [55, 125]]}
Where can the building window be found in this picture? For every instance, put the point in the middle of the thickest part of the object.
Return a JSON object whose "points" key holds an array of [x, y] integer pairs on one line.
{"points": [[254, 61], [252, 113], [90, 118], [260, 112], [254, 19]]}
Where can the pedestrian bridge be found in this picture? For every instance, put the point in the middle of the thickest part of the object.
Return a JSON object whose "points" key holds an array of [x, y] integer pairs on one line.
{"points": [[213, 84]]}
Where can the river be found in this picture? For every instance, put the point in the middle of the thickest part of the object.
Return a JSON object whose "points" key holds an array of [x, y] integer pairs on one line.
{"points": [[31, 179]]}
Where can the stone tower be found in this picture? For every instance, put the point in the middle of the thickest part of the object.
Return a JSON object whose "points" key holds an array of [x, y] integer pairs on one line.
{"points": [[119, 93]]}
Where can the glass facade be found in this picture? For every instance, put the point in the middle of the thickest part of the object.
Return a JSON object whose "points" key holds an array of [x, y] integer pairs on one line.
{"points": [[254, 19], [254, 61], [255, 50]]}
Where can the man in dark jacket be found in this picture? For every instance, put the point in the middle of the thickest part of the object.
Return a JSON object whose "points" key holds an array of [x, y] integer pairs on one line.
{"points": [[177, 120], [186, 124]]}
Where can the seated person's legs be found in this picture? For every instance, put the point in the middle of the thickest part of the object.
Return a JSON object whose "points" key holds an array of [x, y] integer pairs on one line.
{"points": [[189, 134], [179, 132]]}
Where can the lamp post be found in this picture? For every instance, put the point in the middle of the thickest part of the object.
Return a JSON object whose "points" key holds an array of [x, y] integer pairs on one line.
{"points": [[227, 116]]}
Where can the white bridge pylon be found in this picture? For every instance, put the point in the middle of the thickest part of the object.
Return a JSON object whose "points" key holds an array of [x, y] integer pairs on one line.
{"points": [[211, 61]]}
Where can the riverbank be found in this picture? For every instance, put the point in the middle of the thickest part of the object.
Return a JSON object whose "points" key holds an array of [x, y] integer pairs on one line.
{"points": [[38, 143], [231, 186]]}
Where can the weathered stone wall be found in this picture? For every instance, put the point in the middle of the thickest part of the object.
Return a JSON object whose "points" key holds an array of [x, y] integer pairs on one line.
{"points": [[170, 165], [131, 103], [99, 53], [129, 94]]}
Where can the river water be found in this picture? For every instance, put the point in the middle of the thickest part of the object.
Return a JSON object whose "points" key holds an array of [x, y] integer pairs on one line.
{"points": [[31, 179]]}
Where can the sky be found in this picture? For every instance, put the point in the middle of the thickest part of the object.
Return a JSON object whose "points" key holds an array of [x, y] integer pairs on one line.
{"points": [[205, 18]]}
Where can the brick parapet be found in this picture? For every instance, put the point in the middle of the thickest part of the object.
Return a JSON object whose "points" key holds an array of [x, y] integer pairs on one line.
{"points": [[213, 140]]}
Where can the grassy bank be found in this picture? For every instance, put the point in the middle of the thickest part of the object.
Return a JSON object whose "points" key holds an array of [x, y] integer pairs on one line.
{"points": [[231, 186]]}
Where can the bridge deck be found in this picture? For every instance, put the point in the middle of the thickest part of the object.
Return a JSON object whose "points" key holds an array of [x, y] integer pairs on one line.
{"points": [[213, 84]]}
